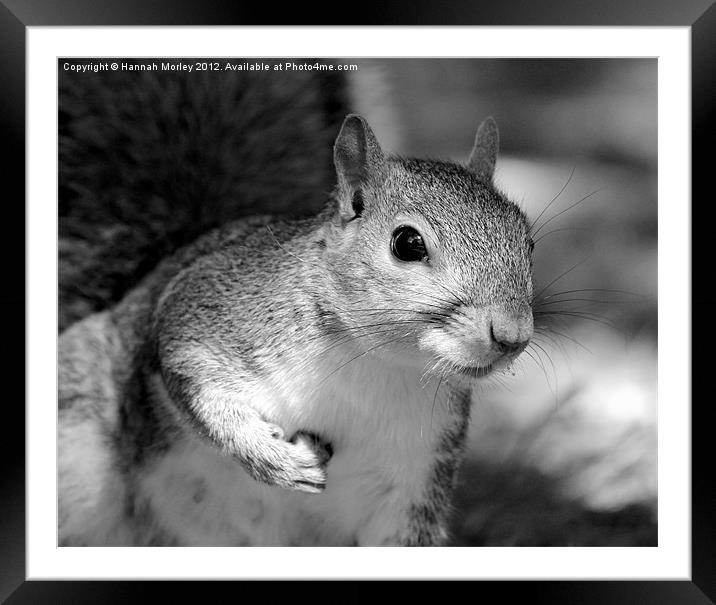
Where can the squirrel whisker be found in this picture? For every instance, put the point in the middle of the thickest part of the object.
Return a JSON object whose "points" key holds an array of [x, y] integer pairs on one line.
{"points": [[609, 290], [580, 314], [586, 197], [537, 349], [587, 300], [541, 237], [347, 338], [343, 365], [349, 329], [571, 174], [383, 311], [560, 276], [565, 336]]}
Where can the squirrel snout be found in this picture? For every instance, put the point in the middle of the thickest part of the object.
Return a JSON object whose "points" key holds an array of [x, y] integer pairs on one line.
{"points": [[511, 331]]}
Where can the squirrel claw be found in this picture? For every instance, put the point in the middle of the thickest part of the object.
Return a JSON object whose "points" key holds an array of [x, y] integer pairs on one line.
{"points": [[320, 448], [276, 432], [310, 488]]}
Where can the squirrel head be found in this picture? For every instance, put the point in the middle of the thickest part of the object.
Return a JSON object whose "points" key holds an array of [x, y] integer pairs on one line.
{"points": [[429, 261]]}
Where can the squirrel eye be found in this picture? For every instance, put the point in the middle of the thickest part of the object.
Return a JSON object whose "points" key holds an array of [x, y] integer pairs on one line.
{"points": [[408, 245]]}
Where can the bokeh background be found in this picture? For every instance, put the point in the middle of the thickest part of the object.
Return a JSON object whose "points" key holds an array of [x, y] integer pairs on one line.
{"points": [[564, 451]]}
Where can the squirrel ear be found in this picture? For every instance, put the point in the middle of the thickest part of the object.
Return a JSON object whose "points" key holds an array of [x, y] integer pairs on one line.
{"points": [[356, 155], [484, 153]]}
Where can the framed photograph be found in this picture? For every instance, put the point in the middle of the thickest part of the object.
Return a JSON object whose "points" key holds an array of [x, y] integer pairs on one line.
{"points": [[452, 264]]}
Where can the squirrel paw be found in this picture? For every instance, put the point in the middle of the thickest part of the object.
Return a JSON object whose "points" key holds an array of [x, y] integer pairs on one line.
{"points": [[298, 464]]}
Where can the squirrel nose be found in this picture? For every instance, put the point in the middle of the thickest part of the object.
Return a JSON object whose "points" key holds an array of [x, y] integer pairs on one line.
{"points": [[511, 332]]}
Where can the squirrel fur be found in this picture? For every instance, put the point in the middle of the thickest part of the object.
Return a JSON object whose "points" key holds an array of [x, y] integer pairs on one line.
{"points": [[149, 161], [292, 381]]}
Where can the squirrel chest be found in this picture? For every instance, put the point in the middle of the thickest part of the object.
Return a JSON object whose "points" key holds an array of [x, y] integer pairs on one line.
{"points": [[387, 428]]}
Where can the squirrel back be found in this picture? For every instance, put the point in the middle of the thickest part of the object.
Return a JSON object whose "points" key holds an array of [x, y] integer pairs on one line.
{"points": [[148, 161]]}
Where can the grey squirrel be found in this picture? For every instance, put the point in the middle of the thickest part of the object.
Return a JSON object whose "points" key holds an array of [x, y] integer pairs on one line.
{"points": [[300, 381]]}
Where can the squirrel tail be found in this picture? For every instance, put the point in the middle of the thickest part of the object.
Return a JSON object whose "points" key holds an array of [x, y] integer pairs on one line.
{"points": [[149, 160]]}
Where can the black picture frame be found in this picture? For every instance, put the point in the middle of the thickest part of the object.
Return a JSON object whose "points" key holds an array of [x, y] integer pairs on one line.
{"points": [[17, 15]]}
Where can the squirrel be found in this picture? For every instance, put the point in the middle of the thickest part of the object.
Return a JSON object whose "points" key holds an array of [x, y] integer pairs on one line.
{"points": [[302, 380]]}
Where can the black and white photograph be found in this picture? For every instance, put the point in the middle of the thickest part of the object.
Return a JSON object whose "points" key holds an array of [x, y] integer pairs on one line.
{"points": [[417, 278], [357, 302]]}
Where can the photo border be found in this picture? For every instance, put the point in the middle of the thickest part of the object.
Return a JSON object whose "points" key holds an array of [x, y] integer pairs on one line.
{"points": [[701, 16]]}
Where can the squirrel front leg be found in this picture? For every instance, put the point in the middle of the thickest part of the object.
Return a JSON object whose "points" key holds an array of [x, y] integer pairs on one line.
{"points": [[209, 392]]}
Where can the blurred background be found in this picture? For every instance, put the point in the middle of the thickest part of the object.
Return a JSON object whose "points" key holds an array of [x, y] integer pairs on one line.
{"points": [[564, 451]]}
